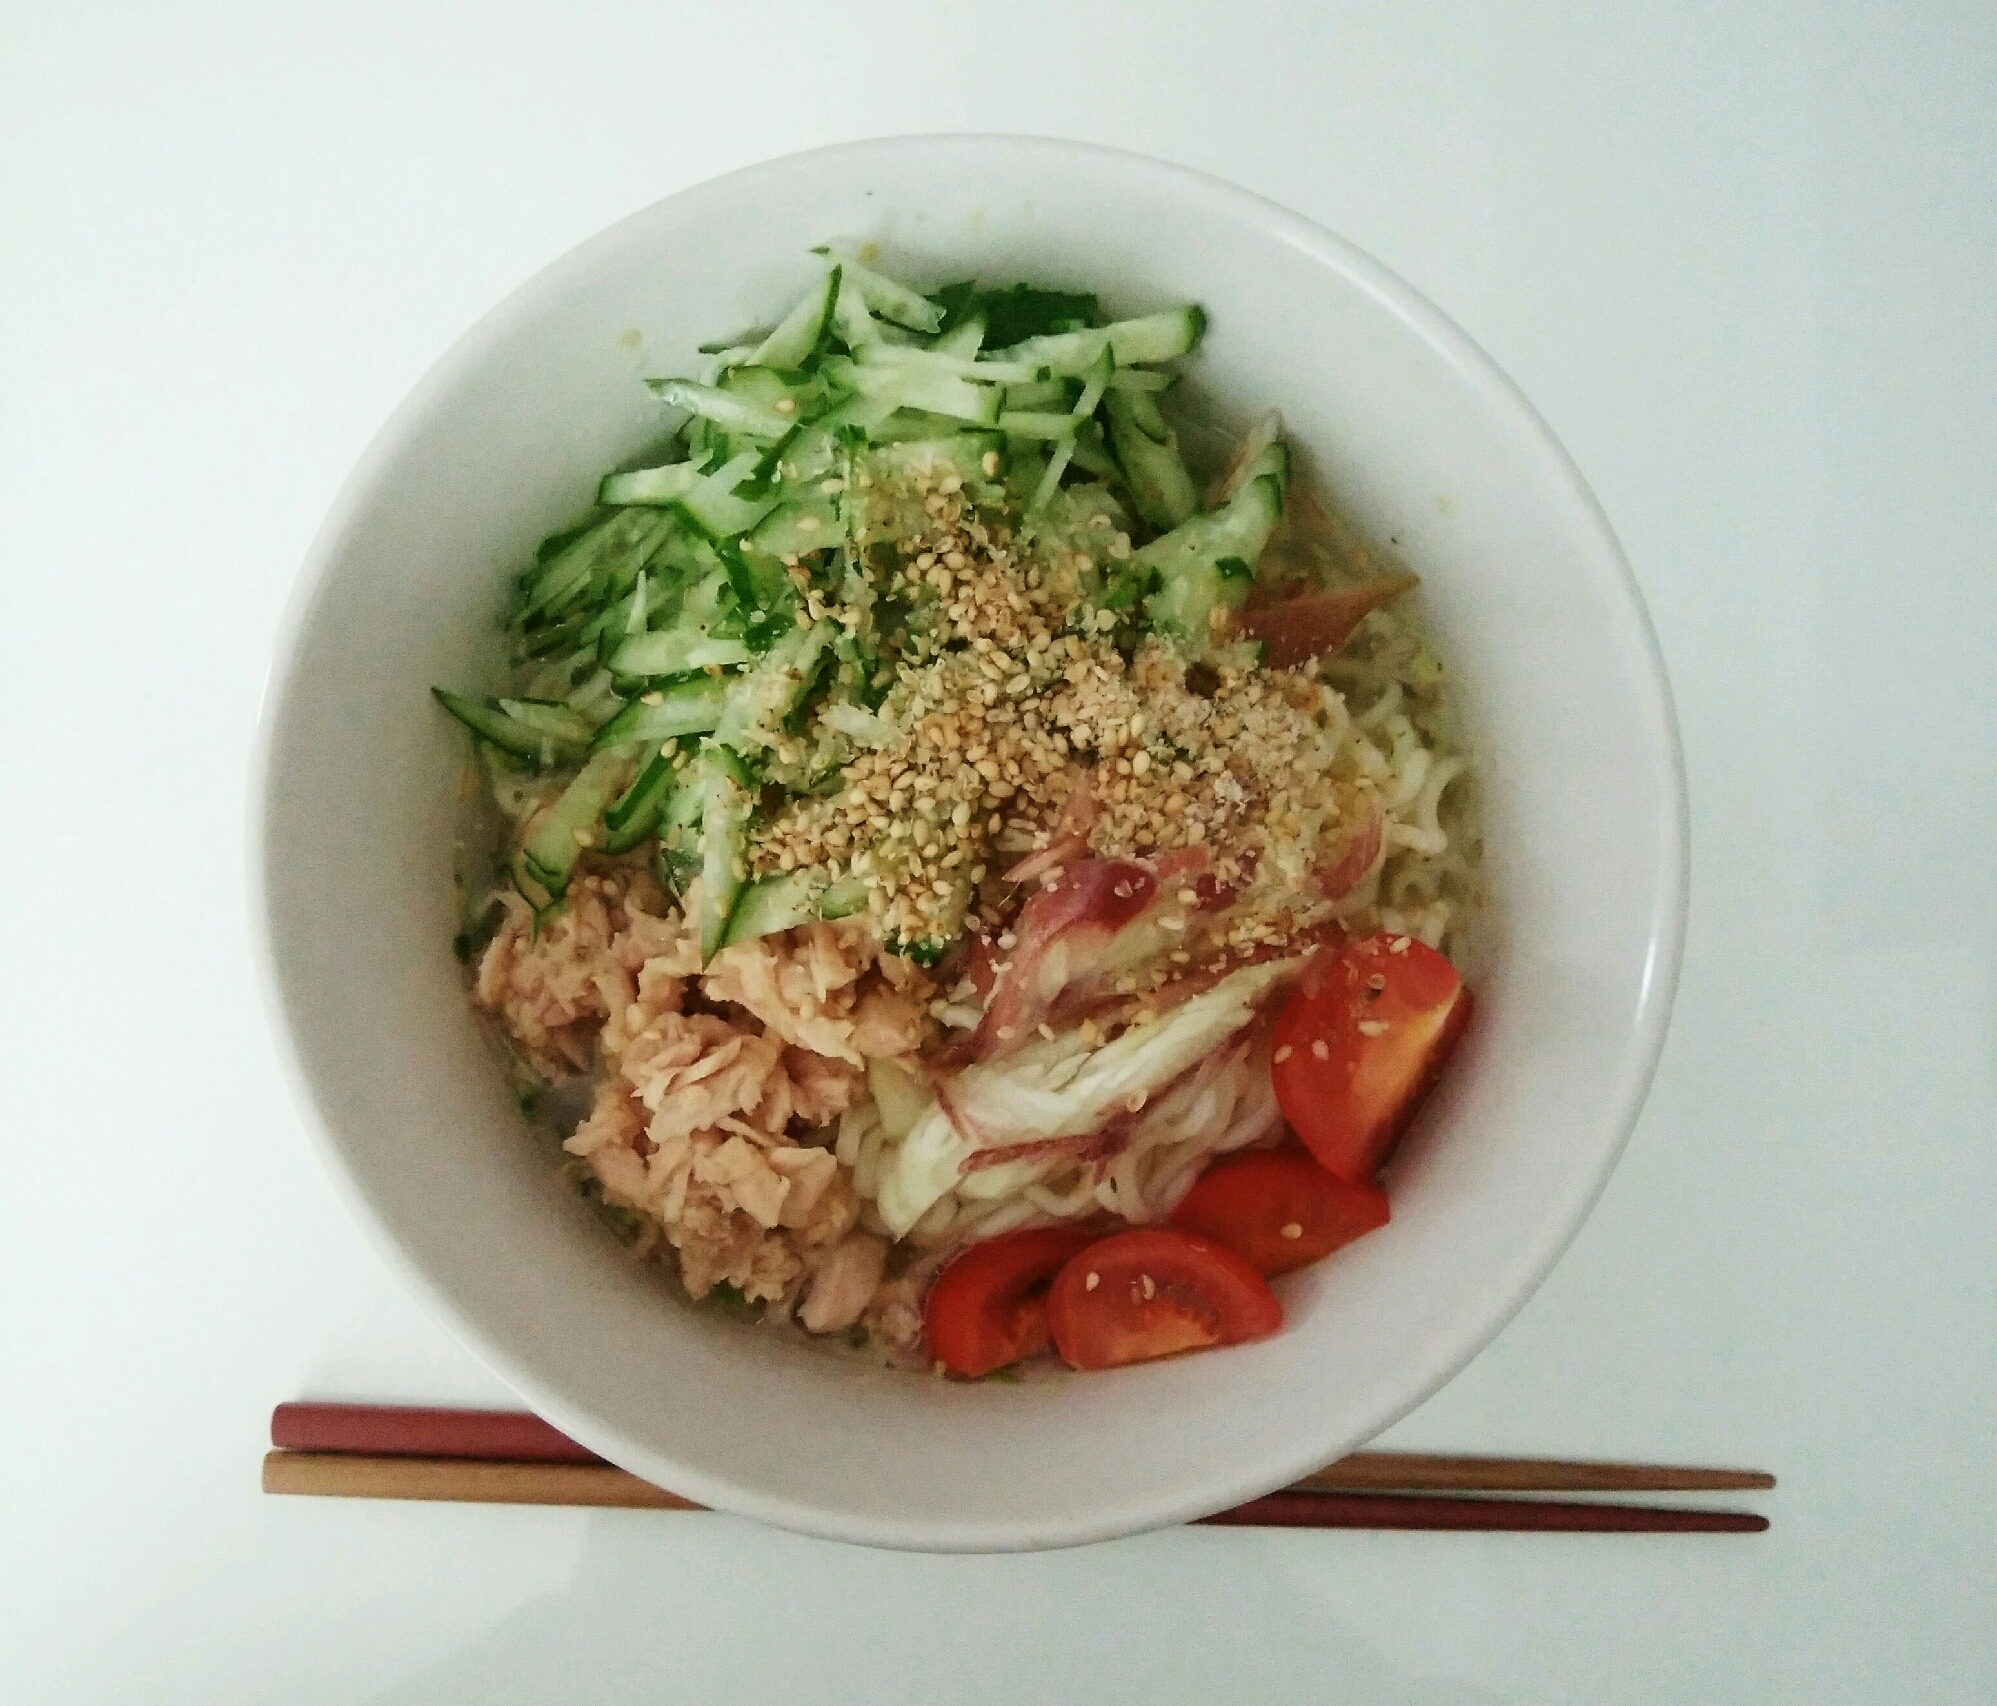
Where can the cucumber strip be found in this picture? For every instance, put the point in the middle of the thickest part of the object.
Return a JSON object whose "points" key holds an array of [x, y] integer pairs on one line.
{"points": [[814, 451], [1208, 564], [750, 339], [1143, 412], [769, 904], [552, 720], [675, 651], [571, 822], [844, 898], [549, 547], [1092, 455], [550, 639], [1154, 337], [955, 367], [687, 708], [810, 523], [886, 298], [962, 341], [1152, 467], [851, 323], [761, 702], [801, 333], [1046, 394], [1093, 385], [1271, 462], [1095, 382], [714, 508], [910, 388], [728, 410], [596, 700], [908, 460], [726, 794], [678, 860], [571, 569], [649, 485], [637, 810], [1035, 423], [508, 734], [636, 612], [905, 424], [1254, 444], [770, 386], [1141, 379], [729, 355]]}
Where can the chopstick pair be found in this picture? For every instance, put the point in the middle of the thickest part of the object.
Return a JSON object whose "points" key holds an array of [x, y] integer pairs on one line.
{"points": [[372, 1451]]}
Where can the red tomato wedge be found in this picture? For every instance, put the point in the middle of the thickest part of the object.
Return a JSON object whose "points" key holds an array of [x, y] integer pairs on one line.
{"points": [[988, 1308], [1153, 1293], [1278, 1209], [1359, 1045]]}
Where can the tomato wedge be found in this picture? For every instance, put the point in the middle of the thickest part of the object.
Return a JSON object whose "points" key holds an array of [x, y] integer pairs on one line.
{"points": [[1278, 1209], [1361, 1042], [988, 1308], [1153, 1293]]}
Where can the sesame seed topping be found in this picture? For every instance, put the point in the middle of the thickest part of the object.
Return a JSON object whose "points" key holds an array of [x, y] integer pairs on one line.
{"points": [[1293, 1230], [1320, 1050], [1091, 1281]]}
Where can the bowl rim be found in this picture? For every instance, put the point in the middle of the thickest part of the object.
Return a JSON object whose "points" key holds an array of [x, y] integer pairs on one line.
{"points": [[1520, 421]]}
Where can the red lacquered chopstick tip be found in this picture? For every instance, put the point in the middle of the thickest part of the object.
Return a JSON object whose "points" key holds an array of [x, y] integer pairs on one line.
{"points": [[401, 1430]]}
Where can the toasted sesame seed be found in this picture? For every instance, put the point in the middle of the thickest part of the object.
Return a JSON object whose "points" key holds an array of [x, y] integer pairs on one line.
{"points": [[1321, 1050], [1372, 1027], [1091, 1281], [1282, 1054], [1148, 1286], [1293, 1230]]}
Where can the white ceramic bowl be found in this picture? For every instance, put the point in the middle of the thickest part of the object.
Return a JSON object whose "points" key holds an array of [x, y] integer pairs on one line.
{"points": [[1419, 437]]}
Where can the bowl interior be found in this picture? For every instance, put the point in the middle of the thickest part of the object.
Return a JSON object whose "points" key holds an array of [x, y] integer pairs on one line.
{"points": [[1412, 433]]}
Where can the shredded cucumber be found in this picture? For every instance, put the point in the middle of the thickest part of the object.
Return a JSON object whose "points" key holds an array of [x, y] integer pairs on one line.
{"points": [[672, 677]]}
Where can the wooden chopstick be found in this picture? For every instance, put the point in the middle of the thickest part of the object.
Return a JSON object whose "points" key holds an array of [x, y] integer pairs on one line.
{"points": [[406, 1430], [395, 1430], [1409, 1471], [468, 1481], [345, 1475]]}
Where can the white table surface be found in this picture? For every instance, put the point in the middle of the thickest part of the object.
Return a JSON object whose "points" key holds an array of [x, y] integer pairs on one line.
{"points": [[1742, 261]]}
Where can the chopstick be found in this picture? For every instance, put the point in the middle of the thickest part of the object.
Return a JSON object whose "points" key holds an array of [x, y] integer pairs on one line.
{"points": [[512, 1436], [504, 1457], [469, 1481]]}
